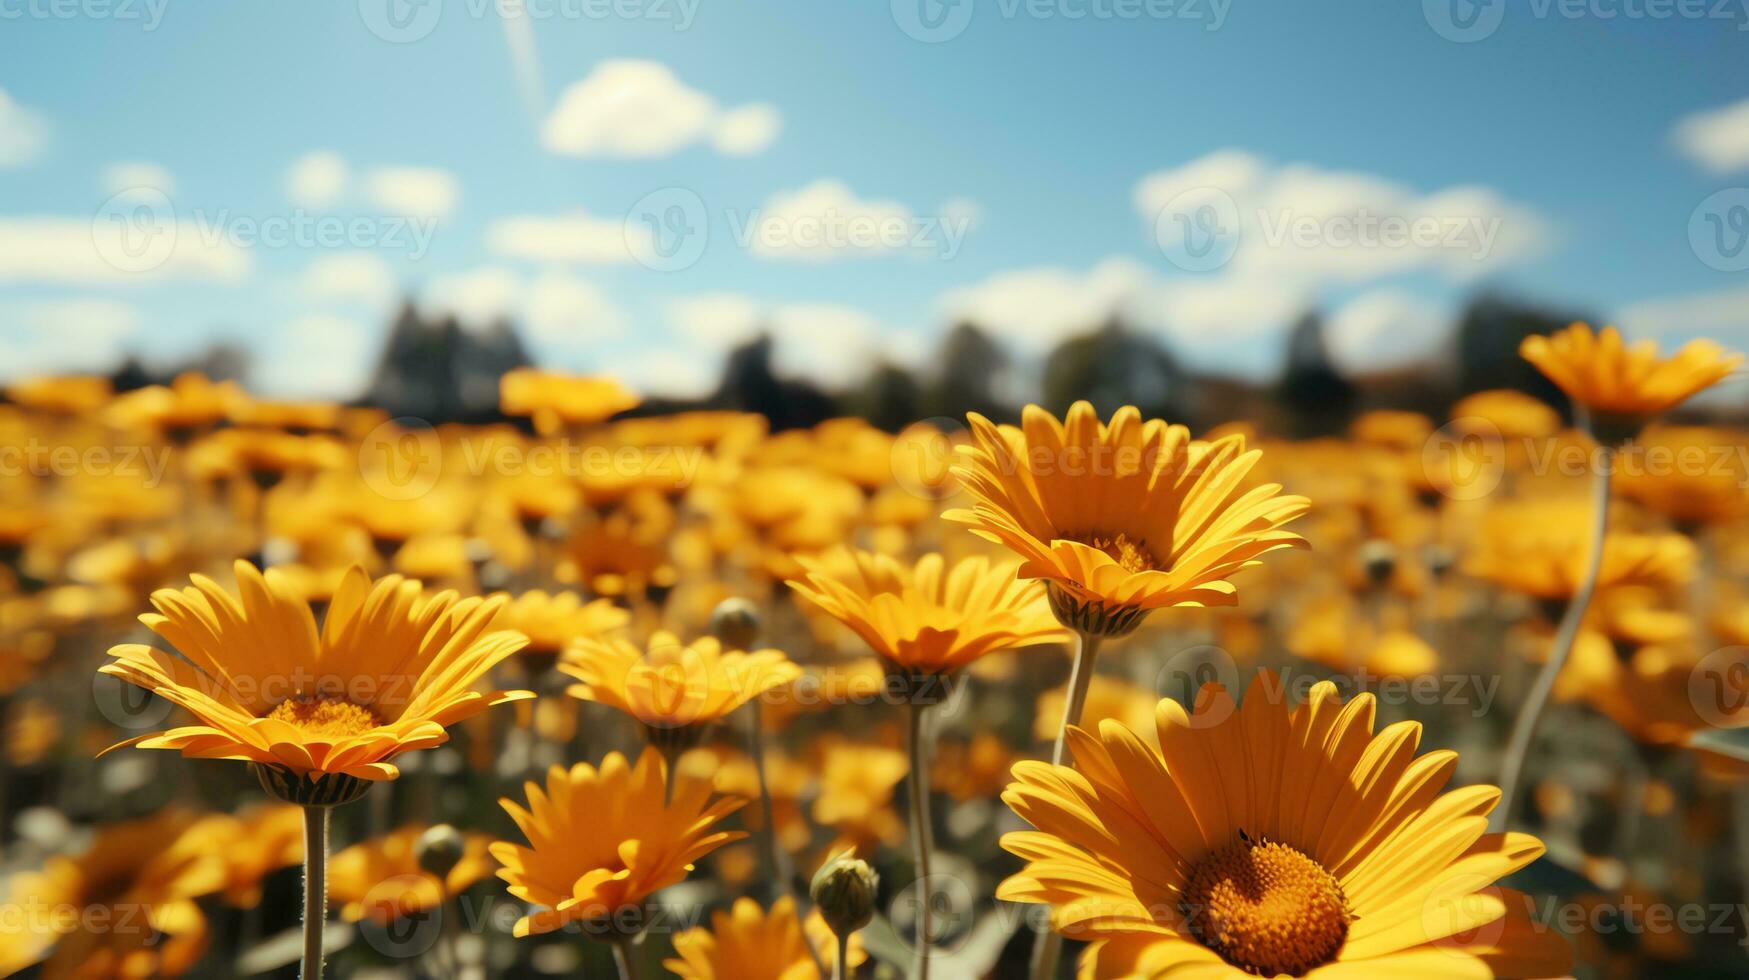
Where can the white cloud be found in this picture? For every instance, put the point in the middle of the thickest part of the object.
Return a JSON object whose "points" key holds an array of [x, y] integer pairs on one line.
{"points": [[317, 179], [1036, 308], [827, 343], [669, 373], [564, 311], [317, 356], [825, 220], [1331, 226], [747, 130], [476, 297], [119, 178], [121, 245], [638, 109], [1385, 329], [1719, 313], [715, 320], [360, 277], [571, 238], [70, 335], [1219, 323], [23, 133], [416, 192], [558, 309], [1717, 139]]}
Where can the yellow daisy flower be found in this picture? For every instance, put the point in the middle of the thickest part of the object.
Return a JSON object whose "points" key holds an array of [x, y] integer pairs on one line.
{"points": [[747, 943], [552, 621], [928, 619], [671, 685], [381, 879], [556, 401], [1124, 517], [126, 907], [602, 840], [1543, 551], [1259, 841], [1608, 376], [388, 671]]}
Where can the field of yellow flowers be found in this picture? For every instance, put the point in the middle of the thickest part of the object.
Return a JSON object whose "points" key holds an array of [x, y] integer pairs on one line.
{"points": [[290, 688]]}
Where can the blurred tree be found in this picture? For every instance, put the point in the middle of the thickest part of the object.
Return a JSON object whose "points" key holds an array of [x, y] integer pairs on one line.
{"points": [[1487, 337], [890, 399], [971, 370], [1113, 367], [437, 371], [750, 385], [1317, 398]]}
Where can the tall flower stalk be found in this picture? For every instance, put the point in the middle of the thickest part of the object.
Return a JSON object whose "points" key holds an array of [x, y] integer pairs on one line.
{"points": [[1525, 725], [920, 829], [315, 889]]}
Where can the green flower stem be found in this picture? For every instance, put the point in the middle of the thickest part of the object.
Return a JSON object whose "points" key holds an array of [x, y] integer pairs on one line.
{"points": [[1524, 727], [627, 958], [1047, 944], [315, 888], [920, 831]]}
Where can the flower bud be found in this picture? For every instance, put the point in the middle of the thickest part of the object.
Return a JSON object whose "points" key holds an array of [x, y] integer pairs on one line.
{"points": [[844, 891], [735, 623], [439, 850]]}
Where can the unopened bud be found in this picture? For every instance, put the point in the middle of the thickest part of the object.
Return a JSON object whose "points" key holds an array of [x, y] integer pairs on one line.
{"points": [[735, 623], [1379, 558], [844, 891], [439, 850]]}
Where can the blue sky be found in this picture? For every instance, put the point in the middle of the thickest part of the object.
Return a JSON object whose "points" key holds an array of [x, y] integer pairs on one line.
{"points": [[1034, 164]]}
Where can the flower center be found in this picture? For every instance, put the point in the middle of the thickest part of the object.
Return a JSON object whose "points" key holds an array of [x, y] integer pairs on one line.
{"points": [[330, 717], [1131, 553], [1266, 908]]}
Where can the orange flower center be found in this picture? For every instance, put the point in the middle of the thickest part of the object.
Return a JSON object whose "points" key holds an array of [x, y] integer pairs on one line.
{"points": [[1266, 908], [1131, 553], [327, 717]]}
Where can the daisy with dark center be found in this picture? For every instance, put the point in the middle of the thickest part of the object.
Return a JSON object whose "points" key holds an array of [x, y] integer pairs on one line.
{"points": [[1260, 840], [318, 714], [1118, 519]]}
